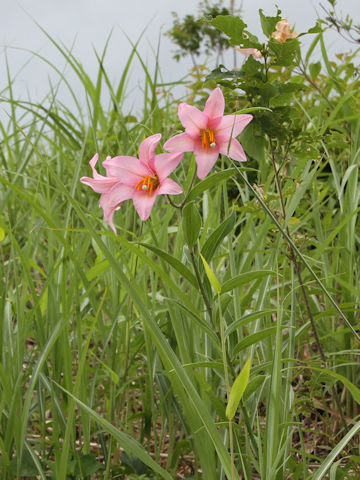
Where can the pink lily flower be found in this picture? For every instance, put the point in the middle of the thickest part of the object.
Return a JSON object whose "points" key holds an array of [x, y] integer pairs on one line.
{"points": [[103, 185], [142, 179], [209, 133]]}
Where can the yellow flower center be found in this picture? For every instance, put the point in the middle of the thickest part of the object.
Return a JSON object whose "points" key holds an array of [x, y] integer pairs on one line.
{"points": [[148, 184], [207, 138]]}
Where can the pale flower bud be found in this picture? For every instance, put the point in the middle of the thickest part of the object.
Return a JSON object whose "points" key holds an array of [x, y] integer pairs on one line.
{"points": [[250, 51], [283, 31]]}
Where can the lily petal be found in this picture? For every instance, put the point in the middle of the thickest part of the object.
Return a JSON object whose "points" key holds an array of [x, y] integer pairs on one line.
{"points": [[111, 201], [147, 149], [205, 162], [215, 104], [165, 163], [143, 204], [92, 163], [235, 151], [192, 119], [232, 125], [129, 170], [168, 186], [180, 143], [100, 185]]}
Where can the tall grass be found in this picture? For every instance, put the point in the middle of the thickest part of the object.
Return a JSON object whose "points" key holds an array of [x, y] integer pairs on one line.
{"points": [[117, 352]]}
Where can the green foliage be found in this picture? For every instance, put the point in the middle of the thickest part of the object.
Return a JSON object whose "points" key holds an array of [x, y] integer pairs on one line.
{"points": [[237, 390], [193, 35], [115, 351], [191, 223]]}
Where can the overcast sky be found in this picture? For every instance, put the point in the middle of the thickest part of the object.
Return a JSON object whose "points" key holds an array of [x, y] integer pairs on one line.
{"points": [[86, 24]]}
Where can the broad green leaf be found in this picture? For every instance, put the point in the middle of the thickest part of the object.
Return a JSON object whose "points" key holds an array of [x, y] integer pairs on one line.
{"points": [[232, 26], [315, 69], [89, 464], [244, 278], [281, 99], [217, 236], [268, 24], [237, 390], [2, 234], [191, 223], [210, 181], [254, 142], [27, 467], [211, 276], [284, 52], [317, 28]]}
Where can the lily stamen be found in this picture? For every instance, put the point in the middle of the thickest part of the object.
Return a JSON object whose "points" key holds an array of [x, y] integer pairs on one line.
{"points": [[207, 138], [148, 184]]}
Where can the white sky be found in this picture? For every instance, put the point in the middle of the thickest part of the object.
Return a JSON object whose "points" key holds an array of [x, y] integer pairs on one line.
{"points": [[86, 24]]}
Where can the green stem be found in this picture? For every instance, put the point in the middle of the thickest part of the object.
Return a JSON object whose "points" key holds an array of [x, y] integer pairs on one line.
{"points": [[180, 205], [298, 253], [302, 286], [201, 285], [227, 385]]}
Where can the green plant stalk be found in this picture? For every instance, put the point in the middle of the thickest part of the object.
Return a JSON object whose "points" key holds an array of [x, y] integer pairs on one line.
{"points": [[274, 401], [290, 355], [201, 286], [182, 204], [231, 253], [302, 286], [227, 384], [298, 253]]}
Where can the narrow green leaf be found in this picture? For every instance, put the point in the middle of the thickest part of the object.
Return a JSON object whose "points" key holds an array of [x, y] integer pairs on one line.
{"points": [[124, 440], [251, 109], [201, 323], [244, 278], [321, 471], [174, 262], [355, 391], [181, 382], [248, 318], [254, 338], [217, 236], [210, 181], [191, 223], [237, 390], [253, 385], [211, 276]]}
